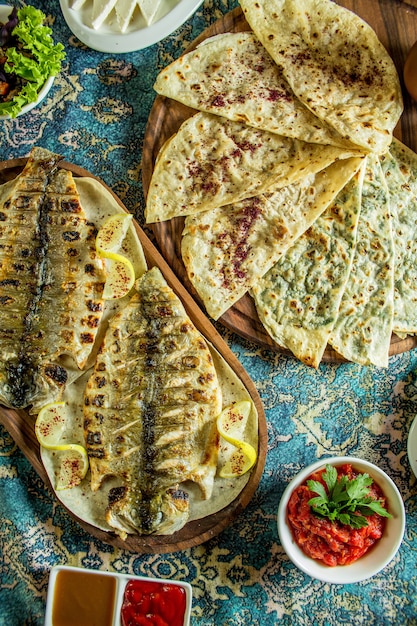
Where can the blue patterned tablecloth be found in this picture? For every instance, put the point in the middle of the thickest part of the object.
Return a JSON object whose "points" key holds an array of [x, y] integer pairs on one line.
{"points": [[95, 116]]}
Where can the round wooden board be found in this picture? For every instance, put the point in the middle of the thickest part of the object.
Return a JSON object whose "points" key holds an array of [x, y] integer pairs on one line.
{"points": [[395, 23], [20, 424]]}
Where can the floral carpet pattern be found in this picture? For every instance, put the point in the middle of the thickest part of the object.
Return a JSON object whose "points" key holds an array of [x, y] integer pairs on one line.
{"points": [[95, 116]]}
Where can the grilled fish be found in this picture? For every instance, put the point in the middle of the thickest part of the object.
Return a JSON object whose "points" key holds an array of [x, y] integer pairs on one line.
{"points": [[150, 412], [51, 281]]}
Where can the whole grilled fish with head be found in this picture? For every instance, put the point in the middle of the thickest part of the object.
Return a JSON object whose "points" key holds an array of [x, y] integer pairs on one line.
{"points": [[51, 282], [150, 412]]}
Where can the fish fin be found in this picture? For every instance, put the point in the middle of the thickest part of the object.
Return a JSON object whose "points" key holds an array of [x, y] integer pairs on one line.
{"points": [[205, 472], [204, 478]]}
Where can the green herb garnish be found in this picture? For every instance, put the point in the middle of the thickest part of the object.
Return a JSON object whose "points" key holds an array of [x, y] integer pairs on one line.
{"points": [[32, 60], [347, 501]]}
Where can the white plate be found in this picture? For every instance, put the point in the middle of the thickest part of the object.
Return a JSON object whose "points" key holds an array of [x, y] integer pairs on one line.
{"points": [[412, 446], [171, 15]]}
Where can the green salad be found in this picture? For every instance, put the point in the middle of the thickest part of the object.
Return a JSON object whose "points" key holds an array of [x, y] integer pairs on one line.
{"points": [[28, 57]]}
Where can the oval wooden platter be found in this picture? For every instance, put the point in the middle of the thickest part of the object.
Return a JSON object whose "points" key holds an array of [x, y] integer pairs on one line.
{"points": [[20, 424], [395, 23]]}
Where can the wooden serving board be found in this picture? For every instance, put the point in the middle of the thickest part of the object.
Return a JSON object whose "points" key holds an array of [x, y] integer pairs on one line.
{"points": [[20, 424], [395, 23]]}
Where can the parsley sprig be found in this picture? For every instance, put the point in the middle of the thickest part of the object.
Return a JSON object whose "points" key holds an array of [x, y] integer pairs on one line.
{"points": [[347, 501]]}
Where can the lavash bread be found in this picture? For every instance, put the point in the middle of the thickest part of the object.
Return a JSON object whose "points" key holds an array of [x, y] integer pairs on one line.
{"points": [[400, 170], [362, 332], [212, 162], [226, 250], [334, 82], [298, 299], [232, 75], [334, 63]]}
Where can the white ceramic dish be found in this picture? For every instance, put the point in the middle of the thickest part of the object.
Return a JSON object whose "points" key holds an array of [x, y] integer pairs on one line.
{"points": [[28, 107], [412, 446], [121, 582], [379, 555], [4, 14], [171, 15]]}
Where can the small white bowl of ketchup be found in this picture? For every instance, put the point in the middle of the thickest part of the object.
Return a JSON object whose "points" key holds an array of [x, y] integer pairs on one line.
{"points": [[374, 559], [85, 597]]}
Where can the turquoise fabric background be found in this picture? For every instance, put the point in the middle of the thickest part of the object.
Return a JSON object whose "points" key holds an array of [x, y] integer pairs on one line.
{"points": [[95, 116]]}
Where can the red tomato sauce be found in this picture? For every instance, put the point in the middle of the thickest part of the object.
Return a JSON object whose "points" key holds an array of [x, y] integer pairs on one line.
{"points": [[149, 603], [332, 542]]}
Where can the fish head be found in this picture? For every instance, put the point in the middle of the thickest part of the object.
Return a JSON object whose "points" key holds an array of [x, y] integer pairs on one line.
{"points": [[134, 511], [26, 381]]}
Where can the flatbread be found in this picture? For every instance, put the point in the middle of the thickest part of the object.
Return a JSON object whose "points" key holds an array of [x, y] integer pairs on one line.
{"points": [[362, 332], [98, 204], [400, 170], [232, 75], [334, 63], [212, 161], [227, 250], [90, 506], [298, 299]]}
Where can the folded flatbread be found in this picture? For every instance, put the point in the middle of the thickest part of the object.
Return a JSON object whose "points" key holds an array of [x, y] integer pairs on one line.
{"points": [[150, 433], [212, 161], [334, 63], [298, 299], [362, 332], [400, 169], [227, 250], [50, 217], [232, 75]]}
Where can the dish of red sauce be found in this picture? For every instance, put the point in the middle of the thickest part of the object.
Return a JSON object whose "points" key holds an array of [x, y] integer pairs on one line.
{"points": [[332, 542], [148, 603]]}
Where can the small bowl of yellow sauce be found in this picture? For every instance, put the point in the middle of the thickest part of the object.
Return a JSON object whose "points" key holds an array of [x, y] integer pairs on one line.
{"points": [[85, 597]]}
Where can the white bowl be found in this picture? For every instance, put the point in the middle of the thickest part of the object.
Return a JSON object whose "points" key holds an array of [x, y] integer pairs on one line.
{"points": [[108, 38], [31, 105], [378, 556], [412, 446], [5, 11], [120, 581]]}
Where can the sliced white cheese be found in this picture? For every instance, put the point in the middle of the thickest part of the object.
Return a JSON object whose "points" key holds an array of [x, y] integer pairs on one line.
{"points": [[124, 12], [101, 10], [149, 9], [77, 4]]}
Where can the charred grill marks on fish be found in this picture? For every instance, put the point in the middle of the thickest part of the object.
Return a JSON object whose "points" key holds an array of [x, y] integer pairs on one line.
{"points": [[48, 297], [150, 412]]}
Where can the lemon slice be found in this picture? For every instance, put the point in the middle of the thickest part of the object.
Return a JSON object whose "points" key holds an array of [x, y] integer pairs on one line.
{"points": [[50, 424], [231, 425], [73, 466], [120, 276], [120, 271], [73, 458], [240, 462], [112, 233], [232, 421]]}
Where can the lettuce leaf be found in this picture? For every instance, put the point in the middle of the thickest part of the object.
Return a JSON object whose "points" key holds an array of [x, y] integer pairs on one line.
{"points": [[39, 59]]}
